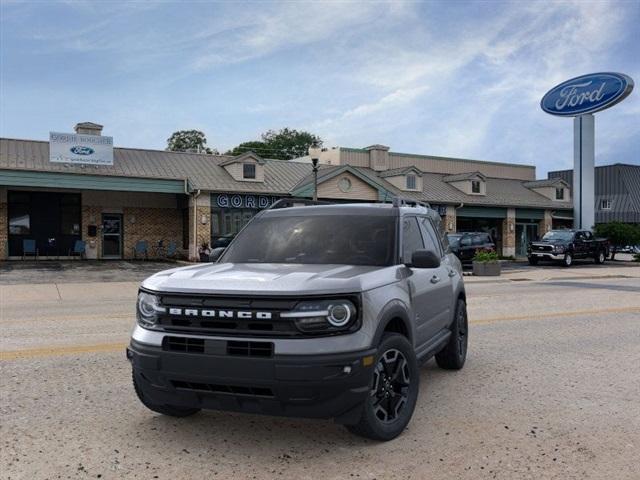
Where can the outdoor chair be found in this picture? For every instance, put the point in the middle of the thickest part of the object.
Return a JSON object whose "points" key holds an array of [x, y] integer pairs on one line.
{"points": [[79, 248], [142, 249], [172, 249], [29, 248]]}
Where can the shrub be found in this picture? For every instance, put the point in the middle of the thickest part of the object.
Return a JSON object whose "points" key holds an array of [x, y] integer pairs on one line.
{"points": [[482, 256], [619, 234]]}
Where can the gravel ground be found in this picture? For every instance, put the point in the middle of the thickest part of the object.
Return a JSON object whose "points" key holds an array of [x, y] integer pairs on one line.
{"points": [[550, 390]]}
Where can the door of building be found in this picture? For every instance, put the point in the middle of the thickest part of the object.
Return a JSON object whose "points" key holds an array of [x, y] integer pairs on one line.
{"points": [[111, 235], [525, 233]]}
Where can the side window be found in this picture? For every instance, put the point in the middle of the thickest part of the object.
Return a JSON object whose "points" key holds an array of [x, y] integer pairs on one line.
{"points": [[579, 236], [430, 238], [465, 241], [588, 236], [411, 238], [478, 240]]}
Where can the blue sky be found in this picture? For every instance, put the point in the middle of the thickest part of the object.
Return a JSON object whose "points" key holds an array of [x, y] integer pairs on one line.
{"points": [[460, 79]]}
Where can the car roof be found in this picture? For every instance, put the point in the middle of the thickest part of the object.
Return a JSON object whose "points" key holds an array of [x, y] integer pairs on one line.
{"points": [[370, 209]]}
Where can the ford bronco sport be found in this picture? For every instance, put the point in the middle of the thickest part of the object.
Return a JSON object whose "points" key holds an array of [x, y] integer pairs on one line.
{"points": [[320, 311]]}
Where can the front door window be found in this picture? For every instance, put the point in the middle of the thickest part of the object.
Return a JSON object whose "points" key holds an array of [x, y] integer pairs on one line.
{"points": [[112, 235]]}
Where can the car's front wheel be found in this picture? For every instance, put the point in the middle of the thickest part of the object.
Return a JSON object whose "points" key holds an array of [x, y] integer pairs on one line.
{"points": [[393, 391], [600, 257], [170, 410], [567, 261]]}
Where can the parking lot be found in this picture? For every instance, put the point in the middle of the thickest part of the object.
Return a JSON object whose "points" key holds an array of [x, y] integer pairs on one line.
{"points": [[550, 389]]}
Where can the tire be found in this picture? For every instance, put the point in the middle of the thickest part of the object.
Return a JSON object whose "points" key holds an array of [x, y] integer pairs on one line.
{"points": [[454, 354], [600, 257], [568, 260], [169, 410], [393, 391], [533, 261]]}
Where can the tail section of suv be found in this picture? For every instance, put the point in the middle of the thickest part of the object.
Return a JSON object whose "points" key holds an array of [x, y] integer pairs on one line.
{"points": [[317, 311]]}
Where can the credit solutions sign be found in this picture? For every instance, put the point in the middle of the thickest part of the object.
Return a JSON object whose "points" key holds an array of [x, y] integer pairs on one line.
{"points": [[80, 149]]}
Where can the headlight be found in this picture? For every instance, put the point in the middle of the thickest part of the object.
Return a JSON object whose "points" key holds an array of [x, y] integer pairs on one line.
{"points": [[324, 316], [148, 308], [559, 248]]}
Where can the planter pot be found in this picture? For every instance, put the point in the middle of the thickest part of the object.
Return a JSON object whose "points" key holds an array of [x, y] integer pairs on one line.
{"points": [[486, 269]]}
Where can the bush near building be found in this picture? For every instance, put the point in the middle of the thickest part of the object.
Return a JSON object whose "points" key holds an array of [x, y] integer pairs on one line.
{"points": [[619, 234]]}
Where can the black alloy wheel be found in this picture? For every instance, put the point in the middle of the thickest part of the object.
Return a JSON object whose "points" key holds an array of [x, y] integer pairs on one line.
{"points": [[454, 355], [390, 391]]}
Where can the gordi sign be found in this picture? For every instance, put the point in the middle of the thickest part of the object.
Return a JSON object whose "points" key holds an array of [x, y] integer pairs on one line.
{"points": [[580, 97], [587, 94], [75, 148]]}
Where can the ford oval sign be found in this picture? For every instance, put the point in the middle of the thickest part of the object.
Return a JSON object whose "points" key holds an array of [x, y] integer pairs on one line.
{"points": [[79, 150], [587, 94]]}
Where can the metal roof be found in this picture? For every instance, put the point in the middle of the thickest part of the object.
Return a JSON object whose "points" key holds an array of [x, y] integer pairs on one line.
{"points": [[463, 176], [281, 177]]}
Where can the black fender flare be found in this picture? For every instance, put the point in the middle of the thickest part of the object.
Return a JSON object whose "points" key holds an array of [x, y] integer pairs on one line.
{"points": [[393, 309]]}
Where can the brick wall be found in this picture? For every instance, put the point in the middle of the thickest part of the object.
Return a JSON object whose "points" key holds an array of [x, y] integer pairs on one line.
{"points": [[4, 243], [509, 233], [152, 225]]}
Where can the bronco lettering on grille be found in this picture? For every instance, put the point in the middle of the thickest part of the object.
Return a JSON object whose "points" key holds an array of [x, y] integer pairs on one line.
{"points": [[240, 314]]}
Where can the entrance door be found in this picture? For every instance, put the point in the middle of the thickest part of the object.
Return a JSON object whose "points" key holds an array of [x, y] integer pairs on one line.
{"points": [[111, 235], [525, 233]]}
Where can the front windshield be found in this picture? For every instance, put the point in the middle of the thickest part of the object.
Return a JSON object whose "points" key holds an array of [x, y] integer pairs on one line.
{"points": [[316, 239], [558, 235]]}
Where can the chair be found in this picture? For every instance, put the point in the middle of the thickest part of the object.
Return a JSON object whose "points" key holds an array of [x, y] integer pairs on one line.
{"points": [[172, 249], [29, 248], [142, 249], [79, 248]]}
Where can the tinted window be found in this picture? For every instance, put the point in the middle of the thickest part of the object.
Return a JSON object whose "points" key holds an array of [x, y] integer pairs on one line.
{"points": [[478, 240], [411, 238], [454, 240], [588, 236], [316, 239], [465, 241], [430, 239], [558, 235]]}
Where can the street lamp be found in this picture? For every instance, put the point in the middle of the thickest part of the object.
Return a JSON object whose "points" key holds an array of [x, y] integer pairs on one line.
{"points": [[314, 153]]}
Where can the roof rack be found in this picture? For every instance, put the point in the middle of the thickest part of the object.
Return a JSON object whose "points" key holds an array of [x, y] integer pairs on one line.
{"points": [[296, 202], [408, 202]]}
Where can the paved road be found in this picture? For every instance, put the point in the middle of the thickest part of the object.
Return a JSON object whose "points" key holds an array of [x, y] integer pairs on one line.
{"points": [[551, 390]]}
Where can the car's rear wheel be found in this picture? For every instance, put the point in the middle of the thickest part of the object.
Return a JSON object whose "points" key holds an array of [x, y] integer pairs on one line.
{"points": [[170, 410], [567, 261], [393, 391], [454, 354]]}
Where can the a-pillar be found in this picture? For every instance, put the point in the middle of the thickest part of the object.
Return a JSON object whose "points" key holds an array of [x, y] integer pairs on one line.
{"points": [[200, 223], [509, 234]]}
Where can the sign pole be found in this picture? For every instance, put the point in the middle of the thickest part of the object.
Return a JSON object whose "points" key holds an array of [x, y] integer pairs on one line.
{"points": [[583, 171]]}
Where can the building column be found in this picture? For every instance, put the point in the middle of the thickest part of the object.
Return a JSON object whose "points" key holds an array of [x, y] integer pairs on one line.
{"points": [[201, 223], [450, 219], [4, 227], [509, 234], [545, 224], [91, 216]]}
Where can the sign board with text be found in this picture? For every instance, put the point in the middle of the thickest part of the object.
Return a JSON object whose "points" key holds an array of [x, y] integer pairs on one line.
{"points": [[80, 149]]}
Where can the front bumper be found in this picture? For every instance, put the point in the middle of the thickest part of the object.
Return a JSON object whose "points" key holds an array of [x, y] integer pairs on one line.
{"points": [[546, 255], [314, 386]]}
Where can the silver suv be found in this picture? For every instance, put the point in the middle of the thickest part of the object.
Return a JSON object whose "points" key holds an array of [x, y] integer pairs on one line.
{"points": [[322, 311]]}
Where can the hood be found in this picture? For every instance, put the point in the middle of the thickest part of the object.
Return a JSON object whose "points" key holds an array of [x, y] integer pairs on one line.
{"points": [[551, 242], [271, 278]]}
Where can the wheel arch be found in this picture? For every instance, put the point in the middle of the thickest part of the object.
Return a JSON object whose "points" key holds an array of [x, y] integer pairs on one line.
{"points": [[394, 318]]}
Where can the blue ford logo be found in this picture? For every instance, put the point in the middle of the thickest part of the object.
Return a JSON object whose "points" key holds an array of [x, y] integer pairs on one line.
{"points": [[79, 150], [587, 94]]}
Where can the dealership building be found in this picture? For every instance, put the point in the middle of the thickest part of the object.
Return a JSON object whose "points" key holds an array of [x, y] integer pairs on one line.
{"points": [[114, 198]]}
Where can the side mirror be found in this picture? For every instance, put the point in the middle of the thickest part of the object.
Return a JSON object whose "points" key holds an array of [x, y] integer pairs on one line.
{"points": [[216, 253], [424, 259]]}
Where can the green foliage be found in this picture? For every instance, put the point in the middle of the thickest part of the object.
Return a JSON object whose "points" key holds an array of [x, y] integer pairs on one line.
{"points": [[483, 256], [188, 141], [284, 144], [619, 234]]}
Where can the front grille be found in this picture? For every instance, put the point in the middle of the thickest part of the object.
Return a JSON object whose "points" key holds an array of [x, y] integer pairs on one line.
{"points": [[224, 389], [250, 349], [543, 248]]}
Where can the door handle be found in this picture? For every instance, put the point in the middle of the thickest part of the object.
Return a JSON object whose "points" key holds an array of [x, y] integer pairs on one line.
{"points": [[452, 273], [435, 279]]}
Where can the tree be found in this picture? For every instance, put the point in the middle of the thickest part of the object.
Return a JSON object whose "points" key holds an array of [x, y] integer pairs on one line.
{"points": [[284, 144], [188, 141], [619, 234], [257, 147]]}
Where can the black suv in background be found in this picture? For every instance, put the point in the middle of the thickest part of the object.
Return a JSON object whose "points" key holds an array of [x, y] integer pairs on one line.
{"points": [[465, 244]]}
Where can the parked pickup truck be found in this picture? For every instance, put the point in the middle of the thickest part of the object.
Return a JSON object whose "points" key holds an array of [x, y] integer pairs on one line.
{"points": [[565, 246]]}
